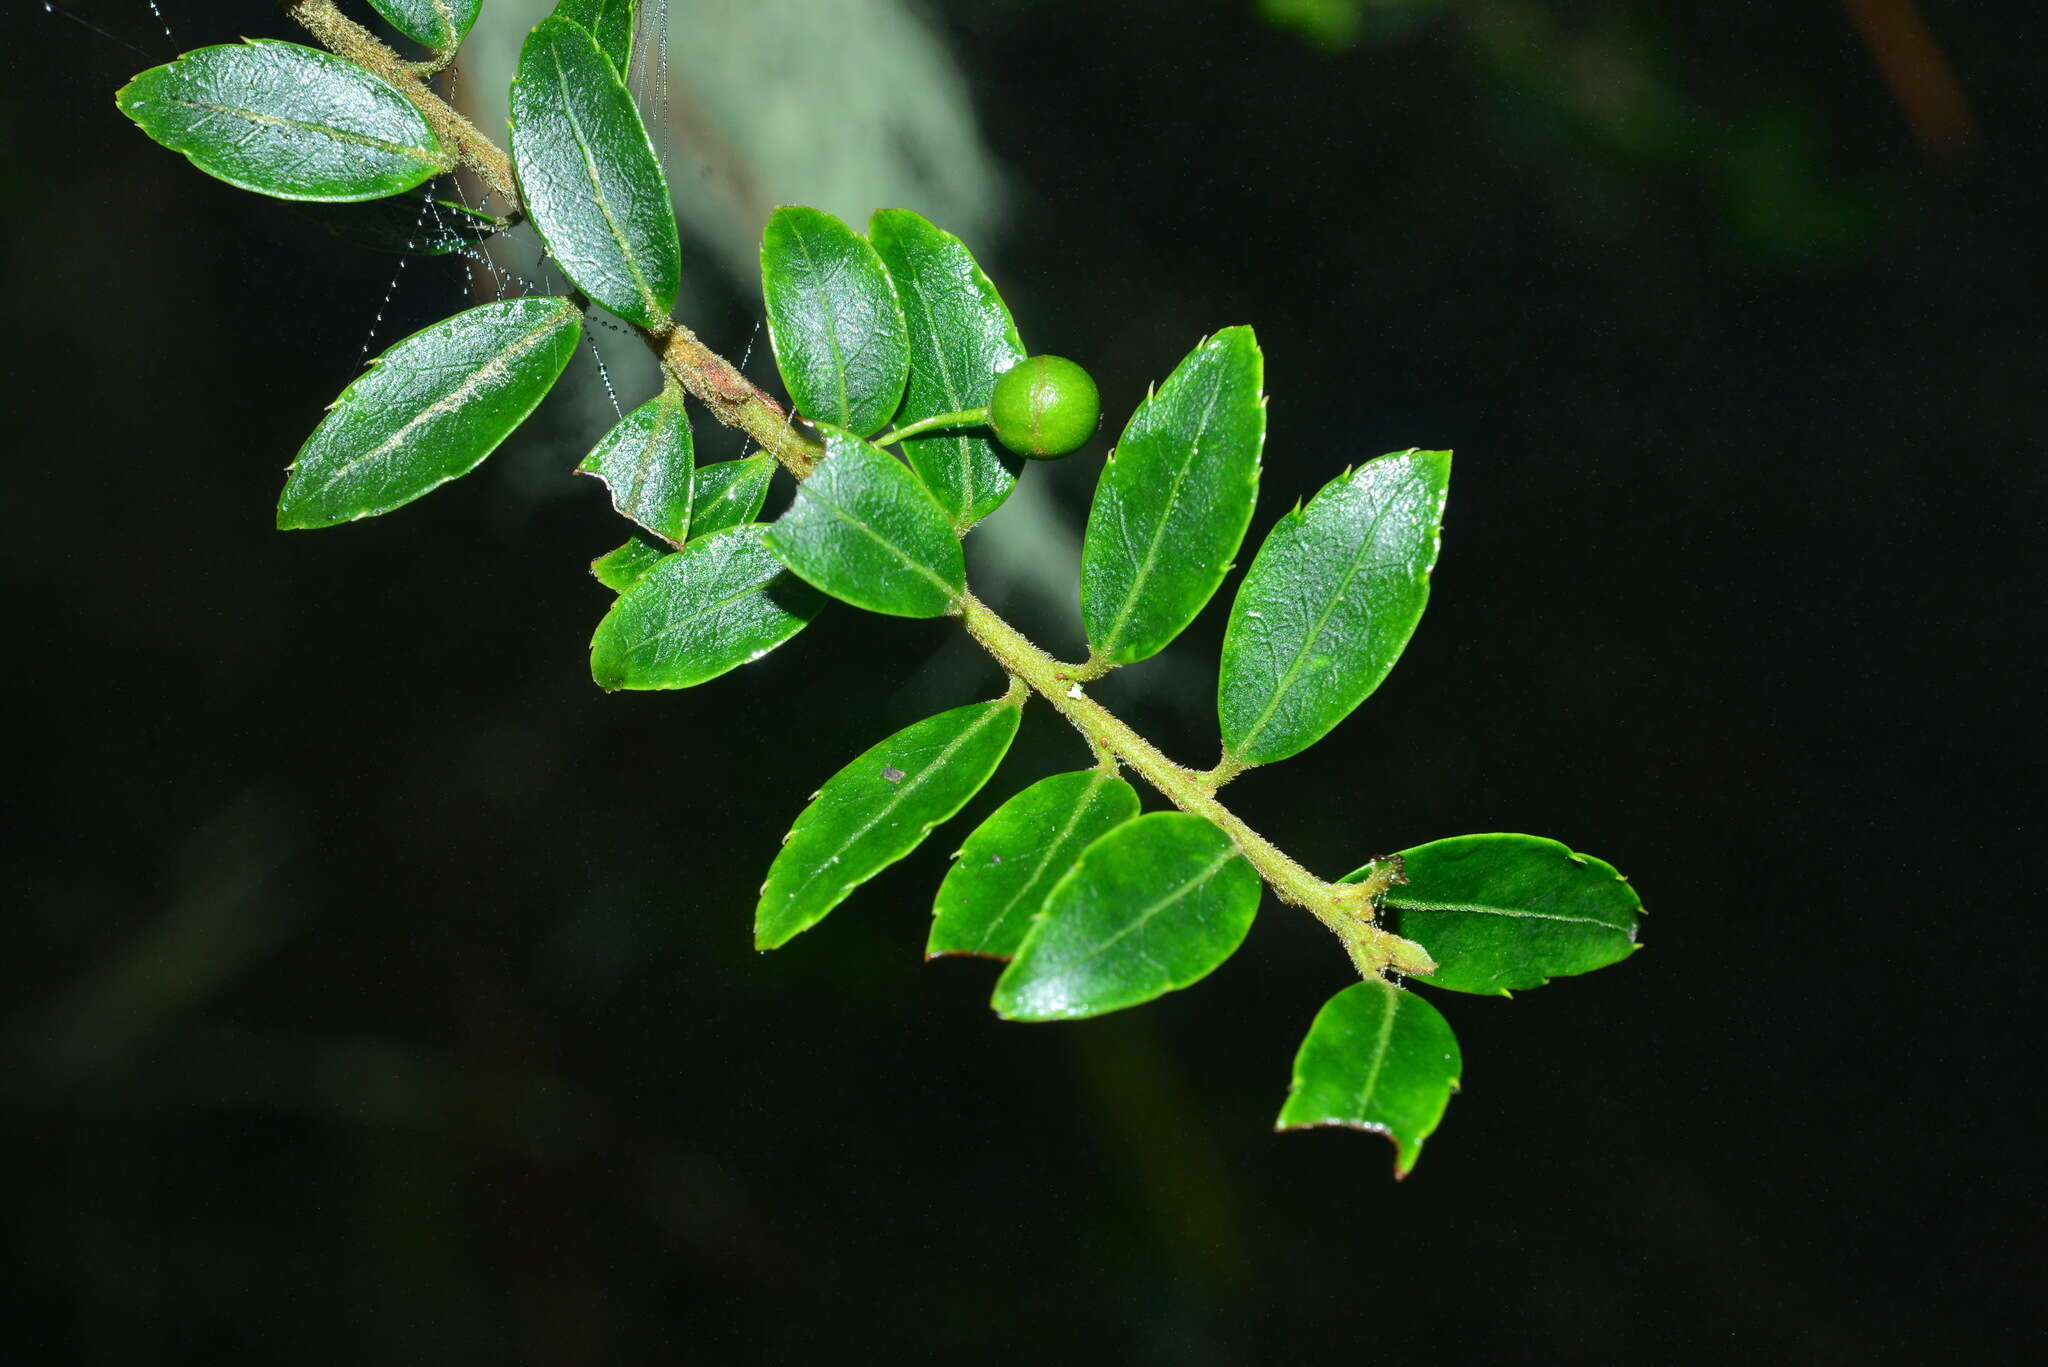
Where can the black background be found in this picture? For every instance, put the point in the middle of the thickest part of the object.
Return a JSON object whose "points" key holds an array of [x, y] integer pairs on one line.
{"points": [[377, 989]]}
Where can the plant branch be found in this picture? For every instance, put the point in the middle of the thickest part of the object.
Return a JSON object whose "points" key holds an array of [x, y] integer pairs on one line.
{"points": [[1346, 908]]}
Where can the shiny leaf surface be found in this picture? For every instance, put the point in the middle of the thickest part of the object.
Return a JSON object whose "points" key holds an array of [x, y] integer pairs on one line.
{"points": [[437, 24], [647, 461], [961, 338], [878, 809], [1329, 604], [1377, 1058], [865, 531], [619, 570], [1016, 857], [1174, 500], [720, 602], [286, 120], [729, 493], [1156, 904], [594, 190], [429, 409], [1500, 913], [610, 22], [838, 332]]}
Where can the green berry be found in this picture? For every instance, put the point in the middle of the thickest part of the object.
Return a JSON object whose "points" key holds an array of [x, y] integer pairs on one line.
{"points": [[1044, 407]]}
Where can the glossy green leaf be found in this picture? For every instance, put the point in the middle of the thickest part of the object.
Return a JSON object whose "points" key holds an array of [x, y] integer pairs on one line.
{"points": [[647, 461], [610, 22], [865, 531], [961, 338], [1329, 605], [722, 601], [1017, 856], [878, 809], [429, 410], [286, 120], [437, 24], [594, 189], [839, 336], [1377, 1058], [1500, 913], [729, 493], [1174, 500], [1156, 904], [412, 224], [619, 570]]}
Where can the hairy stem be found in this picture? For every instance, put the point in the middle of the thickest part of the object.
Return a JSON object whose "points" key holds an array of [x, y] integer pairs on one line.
{"points": [[1346, 908]]}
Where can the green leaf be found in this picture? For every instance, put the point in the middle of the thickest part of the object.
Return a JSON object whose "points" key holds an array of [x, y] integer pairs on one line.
{"points": [[1378, 1059], [961, 338], [594, 190], [720, 602], [437, 24], [286, 120], [1500, 913], [1174, 500], [647, 461], [839, 336], [610, 22], [1329, 605], [878, 809], [729, 493], [1013, 859], [865, 531], [429, 410], [1156, 904], [619, 570], [412, 224]]}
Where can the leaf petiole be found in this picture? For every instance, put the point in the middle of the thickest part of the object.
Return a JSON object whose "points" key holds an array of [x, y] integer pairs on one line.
{"points": [[966, 417]]}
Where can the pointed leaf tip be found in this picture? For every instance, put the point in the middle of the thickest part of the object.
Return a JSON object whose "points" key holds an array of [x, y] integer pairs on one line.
{"points": [[861, 821], [1329, 604], [429, 410], [1171, 508]]}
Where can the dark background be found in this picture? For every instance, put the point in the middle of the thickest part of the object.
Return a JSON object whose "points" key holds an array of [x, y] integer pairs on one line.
{"points": [[377, 989]]}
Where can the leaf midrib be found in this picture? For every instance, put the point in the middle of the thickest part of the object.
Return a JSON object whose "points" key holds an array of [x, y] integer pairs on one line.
{"points": [[811, 491], [422, 155], [803, 246], [674, 625], [1144, 573], [454, 399], [910, 784], [1095, 785], [1379, 1057], [1293, 671], [644, 466], [1482, 909], [1144, 917], [953, 403], [626, 253]]}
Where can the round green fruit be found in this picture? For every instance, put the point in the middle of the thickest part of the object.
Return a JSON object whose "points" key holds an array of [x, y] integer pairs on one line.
{"points": [[1044, 407]]}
